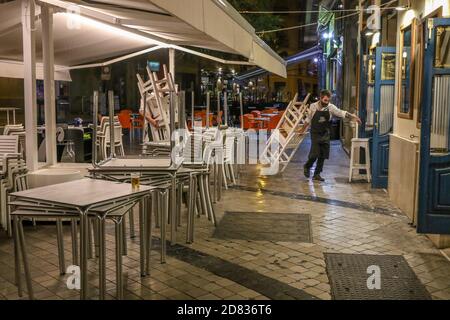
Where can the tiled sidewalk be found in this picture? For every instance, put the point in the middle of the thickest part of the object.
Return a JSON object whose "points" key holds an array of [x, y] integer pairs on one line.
{"points": [[345, 218]]}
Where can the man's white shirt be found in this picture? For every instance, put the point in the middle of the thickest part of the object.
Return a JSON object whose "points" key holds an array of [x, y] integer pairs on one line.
{"points": [[334, 111]]}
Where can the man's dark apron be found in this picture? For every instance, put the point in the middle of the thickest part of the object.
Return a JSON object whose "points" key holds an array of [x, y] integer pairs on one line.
{"points": [[320, 135]]}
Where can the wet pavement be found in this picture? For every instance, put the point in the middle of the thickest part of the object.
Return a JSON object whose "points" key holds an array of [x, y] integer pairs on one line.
{"points": [[254, 261]]}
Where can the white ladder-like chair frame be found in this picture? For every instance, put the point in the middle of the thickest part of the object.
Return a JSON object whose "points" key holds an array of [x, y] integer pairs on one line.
{"points": [[287, 135]]}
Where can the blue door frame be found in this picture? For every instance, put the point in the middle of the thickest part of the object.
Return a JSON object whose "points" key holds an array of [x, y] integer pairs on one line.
{"points": [[381, 131], [434, 177]]}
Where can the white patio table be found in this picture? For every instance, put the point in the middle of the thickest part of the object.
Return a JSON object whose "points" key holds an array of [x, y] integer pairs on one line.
{"points": [[84, 195]]}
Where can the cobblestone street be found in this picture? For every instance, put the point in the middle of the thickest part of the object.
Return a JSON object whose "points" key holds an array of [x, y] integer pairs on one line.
{"points": [[278, 254]]}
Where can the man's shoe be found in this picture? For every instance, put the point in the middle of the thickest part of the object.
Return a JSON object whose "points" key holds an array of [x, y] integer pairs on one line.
{"points": [[307, 172], [317, 177]]}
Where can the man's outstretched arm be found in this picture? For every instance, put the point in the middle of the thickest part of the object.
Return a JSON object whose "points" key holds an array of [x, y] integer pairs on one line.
{"points": [[353, 117], [344, 114]]}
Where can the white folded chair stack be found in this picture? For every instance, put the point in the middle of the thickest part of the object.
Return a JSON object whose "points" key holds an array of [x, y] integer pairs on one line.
{"points": [[13, 175], [104, 139], [17, 130], [155, 99], [287, 137]]}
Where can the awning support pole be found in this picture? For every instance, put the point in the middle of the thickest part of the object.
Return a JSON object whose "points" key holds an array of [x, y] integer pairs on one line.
{"points": [[208, 107], [241, 106], [29, 59], [219, 118], [49, 84], [112, 124], [192, 107], [172, 62], [225, 108]]}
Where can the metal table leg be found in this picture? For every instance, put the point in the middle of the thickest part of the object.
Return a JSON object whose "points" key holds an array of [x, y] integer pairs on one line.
{"points": [[148, 215], [163, 205], [173, 211], [212, 216], [179, 202], [131, 217], [74, 232], [60, 241], [119, 243], [201, 187], [17, 266], [124, 237], [84, 220], [190, 208], [142, 238], [25, 259], [102, 257]]}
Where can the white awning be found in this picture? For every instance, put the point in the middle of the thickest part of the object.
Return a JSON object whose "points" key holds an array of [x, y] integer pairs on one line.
{"points": [[15, 69], [94, 31]]}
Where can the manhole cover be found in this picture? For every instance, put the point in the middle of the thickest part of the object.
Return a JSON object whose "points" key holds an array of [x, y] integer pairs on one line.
{"points": [[348, 275], [265, 226]]}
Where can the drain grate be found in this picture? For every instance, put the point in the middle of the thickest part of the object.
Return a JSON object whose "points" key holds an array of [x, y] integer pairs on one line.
{"points": [[348, 278], [265, 226]]}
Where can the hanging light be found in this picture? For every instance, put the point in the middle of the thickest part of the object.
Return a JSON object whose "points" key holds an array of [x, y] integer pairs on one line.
{"points": [[401, 8]]}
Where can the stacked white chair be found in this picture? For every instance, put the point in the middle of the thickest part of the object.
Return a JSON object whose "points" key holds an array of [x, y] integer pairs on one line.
{"points": [[155, 99], [104, 140], [17, 130], [288, 135], [12, 166]]}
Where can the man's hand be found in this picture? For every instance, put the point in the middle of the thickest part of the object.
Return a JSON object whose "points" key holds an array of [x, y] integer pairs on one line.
{"points": [[353, 117], [155, 123], [304, 128]]}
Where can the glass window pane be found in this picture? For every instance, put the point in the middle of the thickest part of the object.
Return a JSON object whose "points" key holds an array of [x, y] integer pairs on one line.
{"points": [[440, 120], [442, 55], [371, 70], [405, 71], [388, 66]]}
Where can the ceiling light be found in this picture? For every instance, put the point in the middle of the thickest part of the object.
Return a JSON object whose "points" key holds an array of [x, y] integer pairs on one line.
{"points": [[76, 21]]}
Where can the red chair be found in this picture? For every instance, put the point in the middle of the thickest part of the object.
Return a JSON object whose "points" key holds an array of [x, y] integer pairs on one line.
{"points": [[274, 121], [270, 110], [249, 122], [125, 120], [256, 114]]}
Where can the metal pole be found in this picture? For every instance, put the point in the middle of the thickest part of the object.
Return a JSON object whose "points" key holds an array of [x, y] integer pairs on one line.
{"points": [[225, 108], [172, 122], [29, 65], [241, 106], [49, 84], [218, 108], [146, 125], [208, 107], [192, 107], [182, 110], [112, 149], [95, 128]]}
